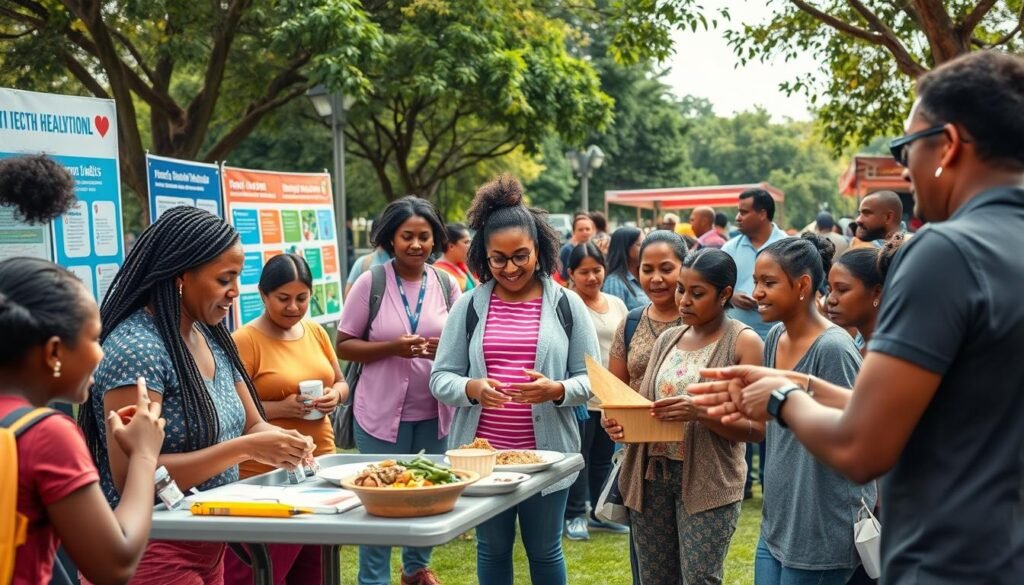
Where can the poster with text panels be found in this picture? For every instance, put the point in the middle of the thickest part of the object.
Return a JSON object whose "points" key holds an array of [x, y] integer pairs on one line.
{"points": [[173, 183], [285, 212], [81, 134]]}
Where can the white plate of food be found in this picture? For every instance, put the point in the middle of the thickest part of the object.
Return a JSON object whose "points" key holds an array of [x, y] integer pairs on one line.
{"points": [[339, 472], [526, 461], [521, 460], [498, 482]]}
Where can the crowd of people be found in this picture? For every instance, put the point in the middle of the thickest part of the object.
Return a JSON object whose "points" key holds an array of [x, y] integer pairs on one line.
{"points": [[843, 359]]}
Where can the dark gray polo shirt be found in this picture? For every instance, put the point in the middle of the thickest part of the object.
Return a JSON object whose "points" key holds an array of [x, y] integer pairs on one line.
{"points": [[953, 506]]}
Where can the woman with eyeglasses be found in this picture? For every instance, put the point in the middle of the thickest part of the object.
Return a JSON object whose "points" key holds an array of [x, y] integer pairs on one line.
{"points": [[511, 360]]}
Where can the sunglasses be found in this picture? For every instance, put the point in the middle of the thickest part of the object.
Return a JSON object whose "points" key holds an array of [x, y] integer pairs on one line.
{"points": [[899, 147]]}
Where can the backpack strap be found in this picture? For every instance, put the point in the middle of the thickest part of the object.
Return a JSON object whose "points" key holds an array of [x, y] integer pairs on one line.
{"points": [[22, 419], [446, 286], [471, 322], [632, 321], [378, 284], [564, 312]]}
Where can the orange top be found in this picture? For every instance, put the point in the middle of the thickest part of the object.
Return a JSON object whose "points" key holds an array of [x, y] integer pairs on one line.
{"points": [[277, 366]]}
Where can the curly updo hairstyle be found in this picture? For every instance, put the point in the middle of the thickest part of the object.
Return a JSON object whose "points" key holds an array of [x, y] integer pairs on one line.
{"points": [[37, 186], [498, 206]]}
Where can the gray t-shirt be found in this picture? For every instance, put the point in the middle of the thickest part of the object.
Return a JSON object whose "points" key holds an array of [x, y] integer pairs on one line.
{"points": [[953, 506], [810, 509]]}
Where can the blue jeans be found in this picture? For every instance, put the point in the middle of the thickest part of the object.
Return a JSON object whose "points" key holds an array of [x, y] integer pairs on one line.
{"points": [[769, 571], [540, 520], [375, 561]]}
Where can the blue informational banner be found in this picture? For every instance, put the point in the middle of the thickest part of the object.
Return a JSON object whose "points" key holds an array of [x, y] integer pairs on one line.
{"points": [[81, 134], [174, 182]]}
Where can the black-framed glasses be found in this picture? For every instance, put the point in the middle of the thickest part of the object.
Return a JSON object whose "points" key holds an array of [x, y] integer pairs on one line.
{"points": [[899, 147], [499, 262]]}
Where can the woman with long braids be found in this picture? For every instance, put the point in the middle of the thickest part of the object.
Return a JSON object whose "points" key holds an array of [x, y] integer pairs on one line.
{"points": [[516, 373], [163, 318]]}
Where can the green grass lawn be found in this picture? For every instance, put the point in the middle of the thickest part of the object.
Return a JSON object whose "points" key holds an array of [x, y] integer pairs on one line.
{"points": [[602, 560]]}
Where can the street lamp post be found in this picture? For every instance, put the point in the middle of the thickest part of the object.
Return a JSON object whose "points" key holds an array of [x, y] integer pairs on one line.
{"points": [[584, 164], [335, 106]]}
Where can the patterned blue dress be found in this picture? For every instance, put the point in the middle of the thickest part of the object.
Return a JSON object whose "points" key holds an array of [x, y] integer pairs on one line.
{"points": [[134, 348]]}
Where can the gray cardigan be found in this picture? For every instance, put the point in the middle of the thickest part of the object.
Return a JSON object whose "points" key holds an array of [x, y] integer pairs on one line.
{"points": [[554, 425]]}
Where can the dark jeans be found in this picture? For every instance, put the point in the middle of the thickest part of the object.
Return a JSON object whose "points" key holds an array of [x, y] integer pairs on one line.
{"points": [[597, 449], [762, 457]]}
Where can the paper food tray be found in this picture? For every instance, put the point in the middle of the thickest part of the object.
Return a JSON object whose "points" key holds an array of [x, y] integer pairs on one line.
{"points": [[629, 409]]}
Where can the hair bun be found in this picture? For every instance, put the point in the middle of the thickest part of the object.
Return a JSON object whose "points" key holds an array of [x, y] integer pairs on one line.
{"points": [[888, 253], [504, 191], [826, 249], [38, 187]]}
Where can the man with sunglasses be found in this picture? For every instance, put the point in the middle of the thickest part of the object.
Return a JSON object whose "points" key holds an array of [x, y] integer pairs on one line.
{"points": [[938, 404]]}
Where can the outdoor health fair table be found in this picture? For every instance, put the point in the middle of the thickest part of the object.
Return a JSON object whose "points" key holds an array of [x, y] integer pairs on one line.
{"points": [[355, 526]]}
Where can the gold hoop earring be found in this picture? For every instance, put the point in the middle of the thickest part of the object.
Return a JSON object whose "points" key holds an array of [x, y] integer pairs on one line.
{"points": [[938, 172], [875, 303], [56, 370]]}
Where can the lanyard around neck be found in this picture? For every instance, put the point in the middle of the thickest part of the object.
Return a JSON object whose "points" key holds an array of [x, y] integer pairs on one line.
{"points": [[414, 317]]}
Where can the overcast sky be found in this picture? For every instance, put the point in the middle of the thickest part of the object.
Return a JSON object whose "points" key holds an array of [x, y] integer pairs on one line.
{"points": [[704, 65]]}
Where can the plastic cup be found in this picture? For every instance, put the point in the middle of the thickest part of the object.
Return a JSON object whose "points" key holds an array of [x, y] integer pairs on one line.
{"points": [[312, 389]]}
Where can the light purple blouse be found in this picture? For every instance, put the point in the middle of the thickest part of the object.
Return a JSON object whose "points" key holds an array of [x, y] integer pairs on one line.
{"points": [[395, 389]]}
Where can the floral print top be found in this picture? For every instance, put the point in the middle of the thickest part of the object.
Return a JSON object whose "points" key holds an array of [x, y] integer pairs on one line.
{"points": [[679, 370]]}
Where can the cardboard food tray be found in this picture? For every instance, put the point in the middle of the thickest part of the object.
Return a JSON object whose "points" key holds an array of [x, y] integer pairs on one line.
{"points": [[629, 409]]}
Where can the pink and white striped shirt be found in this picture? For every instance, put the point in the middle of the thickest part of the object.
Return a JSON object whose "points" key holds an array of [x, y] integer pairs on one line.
{"points": [[510, 345]]}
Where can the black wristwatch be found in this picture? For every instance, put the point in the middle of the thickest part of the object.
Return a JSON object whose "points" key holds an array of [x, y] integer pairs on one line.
{"points": [[779, 396]]}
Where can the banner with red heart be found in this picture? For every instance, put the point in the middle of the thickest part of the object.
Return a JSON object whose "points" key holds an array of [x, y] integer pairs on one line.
{"points": [[102, 125]]}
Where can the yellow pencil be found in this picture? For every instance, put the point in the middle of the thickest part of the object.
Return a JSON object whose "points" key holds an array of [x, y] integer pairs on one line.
{"points": [[254, 509]]}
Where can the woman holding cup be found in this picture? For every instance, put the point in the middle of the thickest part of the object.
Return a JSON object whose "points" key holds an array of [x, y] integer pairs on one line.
{"points": [[292, 364]]}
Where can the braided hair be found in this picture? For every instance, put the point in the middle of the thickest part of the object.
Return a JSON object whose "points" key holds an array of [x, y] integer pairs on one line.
{"points": [[182, 239]]}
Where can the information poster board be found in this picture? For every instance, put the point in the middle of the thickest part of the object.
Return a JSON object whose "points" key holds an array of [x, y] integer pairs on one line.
{"points": [[285, 212], [173, 183], [81, 134]]}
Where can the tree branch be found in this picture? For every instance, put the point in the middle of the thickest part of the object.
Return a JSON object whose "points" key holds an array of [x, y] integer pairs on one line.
{"points": [[200, 110], [253, 114], [136, 55], [838, 24], [904, 60], [974, 18], [83, 76], [1005, 38]]}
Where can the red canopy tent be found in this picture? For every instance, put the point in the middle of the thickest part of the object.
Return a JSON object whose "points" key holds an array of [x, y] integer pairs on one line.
{"points": [[687, 197]]}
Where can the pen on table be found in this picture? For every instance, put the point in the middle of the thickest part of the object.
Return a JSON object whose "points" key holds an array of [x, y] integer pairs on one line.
{"points": [[253, 509]]}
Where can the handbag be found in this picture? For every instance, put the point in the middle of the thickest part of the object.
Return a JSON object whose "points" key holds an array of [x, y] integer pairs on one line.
{"points": [[867, 537], [611, 507]]}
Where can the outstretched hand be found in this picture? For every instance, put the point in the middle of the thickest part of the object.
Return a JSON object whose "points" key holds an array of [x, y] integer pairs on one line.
{"points": [[737, 392]]}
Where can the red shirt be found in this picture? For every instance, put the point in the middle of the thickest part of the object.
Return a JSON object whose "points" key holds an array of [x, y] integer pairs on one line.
{"points": [[53, 463]]}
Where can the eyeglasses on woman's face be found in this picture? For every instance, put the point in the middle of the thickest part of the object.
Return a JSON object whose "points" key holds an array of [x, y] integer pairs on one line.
{"points": [[499, 261]]}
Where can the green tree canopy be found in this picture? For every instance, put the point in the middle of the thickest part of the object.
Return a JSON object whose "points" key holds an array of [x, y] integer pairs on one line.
{"points": [[202, 74], [871, 51], [460, 82]]}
